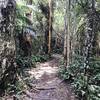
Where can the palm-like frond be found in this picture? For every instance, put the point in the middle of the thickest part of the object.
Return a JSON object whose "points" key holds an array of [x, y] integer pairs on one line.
{"points": [[22, 9]]}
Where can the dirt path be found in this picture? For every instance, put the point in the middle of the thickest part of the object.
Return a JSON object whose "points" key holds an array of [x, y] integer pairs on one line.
{"points": [[47, 85]]}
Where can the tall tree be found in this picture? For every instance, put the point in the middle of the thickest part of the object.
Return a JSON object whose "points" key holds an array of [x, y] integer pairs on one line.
{"points": [[7, 44], [50, 26], [67, 34], [47, 11]]}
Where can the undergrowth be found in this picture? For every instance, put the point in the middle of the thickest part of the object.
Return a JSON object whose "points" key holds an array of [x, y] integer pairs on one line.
{"points": [[31, 61], [23, 79], [85, 81], [40, 58]]}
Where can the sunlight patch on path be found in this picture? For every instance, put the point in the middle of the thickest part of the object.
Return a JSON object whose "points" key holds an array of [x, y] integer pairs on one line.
{"points": [[43, 68]]}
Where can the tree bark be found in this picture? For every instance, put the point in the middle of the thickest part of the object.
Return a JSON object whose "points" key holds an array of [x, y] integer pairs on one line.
{"points": [[50, 26], [67, 34], [7, 46]]}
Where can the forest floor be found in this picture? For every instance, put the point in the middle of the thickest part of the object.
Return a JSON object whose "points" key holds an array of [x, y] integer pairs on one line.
{"points": [[45, 84]]}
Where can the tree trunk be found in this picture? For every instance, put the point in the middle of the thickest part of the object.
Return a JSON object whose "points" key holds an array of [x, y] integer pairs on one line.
{"points": [[7, 45], [89, 39], [50, 26], [67, 35]]}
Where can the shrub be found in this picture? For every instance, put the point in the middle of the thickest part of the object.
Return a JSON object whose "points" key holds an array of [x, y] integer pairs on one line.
{"points": [[40, 58], [86, 81]]}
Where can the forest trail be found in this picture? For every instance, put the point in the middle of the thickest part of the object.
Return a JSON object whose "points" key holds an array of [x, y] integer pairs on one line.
{"points": [[45, 83], [48, 85]]}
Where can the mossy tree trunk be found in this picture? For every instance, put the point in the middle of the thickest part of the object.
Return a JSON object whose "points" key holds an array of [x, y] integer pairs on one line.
{"points": [[7, 45]]}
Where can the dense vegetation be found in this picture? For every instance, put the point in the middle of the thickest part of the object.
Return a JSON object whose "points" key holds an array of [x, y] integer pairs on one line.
{"points": [[32, 30]]}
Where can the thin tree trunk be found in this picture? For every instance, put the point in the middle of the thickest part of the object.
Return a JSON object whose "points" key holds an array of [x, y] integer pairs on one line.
{"points": [[68, 34], [73, 34], [50, 26], [65, 36]]}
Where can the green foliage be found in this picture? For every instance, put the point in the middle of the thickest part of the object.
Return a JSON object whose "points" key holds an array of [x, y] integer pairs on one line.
{"points": [[94, 91], [17, 88], [84, 80], [40, 58], [21, 19], [24, 61], [37, 45]]}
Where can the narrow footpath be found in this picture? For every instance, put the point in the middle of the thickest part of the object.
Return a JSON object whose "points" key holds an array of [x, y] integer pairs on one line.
{"points": [[45, 83]]}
